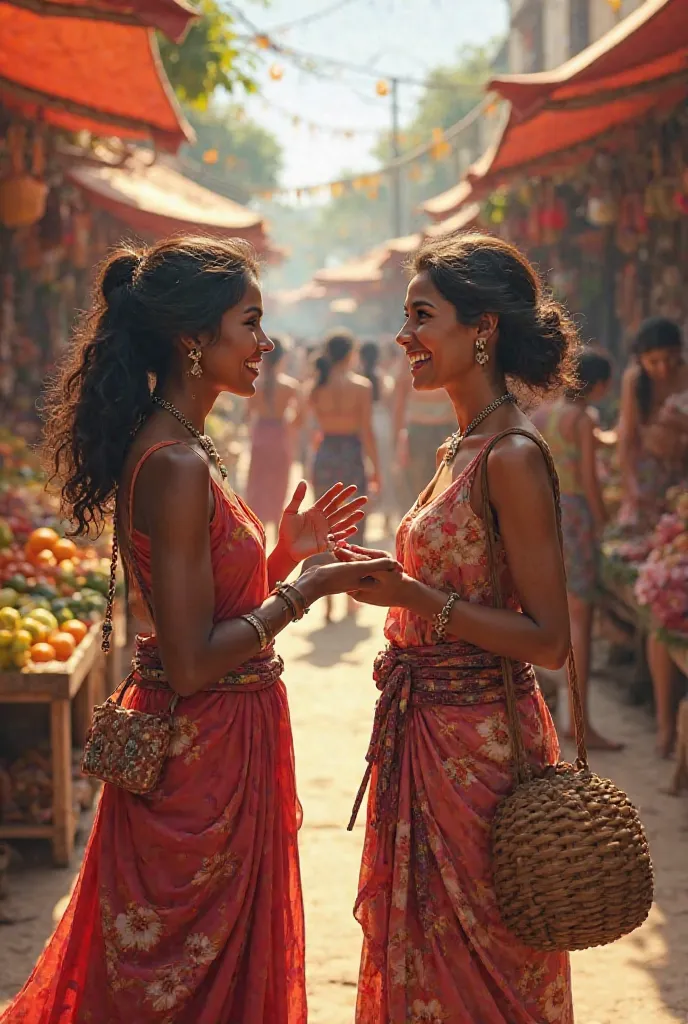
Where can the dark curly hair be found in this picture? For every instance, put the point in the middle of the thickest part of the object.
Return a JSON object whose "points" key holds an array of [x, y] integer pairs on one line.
{"points": [[482, 274], [144, 300]]}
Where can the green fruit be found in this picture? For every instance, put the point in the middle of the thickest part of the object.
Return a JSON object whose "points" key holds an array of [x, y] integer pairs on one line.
{"points": [[45, 590], [37, 629], [98, 583], [8, 597], [44, 616], [18, 583], [59, 605], [64, 615], [18, 659], [9, 617], [21, 641]]}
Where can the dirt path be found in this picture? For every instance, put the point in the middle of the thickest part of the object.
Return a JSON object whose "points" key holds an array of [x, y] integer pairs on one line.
{"points": [[639, 980]]}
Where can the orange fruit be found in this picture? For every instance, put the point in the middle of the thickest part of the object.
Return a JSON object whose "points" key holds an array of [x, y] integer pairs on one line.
{"points": [[63, 643], [42, 652], [64, 548], [44, 559], [41, 538], [76, 628]]}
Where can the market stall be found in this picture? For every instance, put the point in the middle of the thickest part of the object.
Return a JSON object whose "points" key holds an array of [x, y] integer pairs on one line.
{"points": [[52, 600]]}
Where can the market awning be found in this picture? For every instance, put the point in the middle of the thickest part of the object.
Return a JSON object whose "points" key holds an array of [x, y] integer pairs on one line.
{"points": [[172, 17], [647, 46], [366, 269], [446, 203], [467, 217], [82, 74], [640, 66], [157, 200]]}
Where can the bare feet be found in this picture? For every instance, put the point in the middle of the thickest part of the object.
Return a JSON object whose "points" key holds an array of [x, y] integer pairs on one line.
{"points": [[665, 745], [595, 741]]}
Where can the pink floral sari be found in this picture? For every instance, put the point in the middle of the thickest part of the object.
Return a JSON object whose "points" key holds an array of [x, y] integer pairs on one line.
{"points": [[435, 950]]}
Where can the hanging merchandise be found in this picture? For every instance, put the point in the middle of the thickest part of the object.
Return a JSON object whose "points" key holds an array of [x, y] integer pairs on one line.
{"points": [[276, 72], [22, 196], [382, 87]]}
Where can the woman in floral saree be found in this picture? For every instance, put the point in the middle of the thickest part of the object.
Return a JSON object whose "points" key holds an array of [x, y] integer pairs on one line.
{"points": [[188, 906], [434, 948]]}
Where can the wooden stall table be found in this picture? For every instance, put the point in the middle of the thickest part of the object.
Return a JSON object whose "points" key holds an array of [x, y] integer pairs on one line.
{"points": [[79, 682]]}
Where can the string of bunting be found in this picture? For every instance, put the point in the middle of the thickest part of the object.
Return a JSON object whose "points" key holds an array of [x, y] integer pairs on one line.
{"points": [[443, 143]]}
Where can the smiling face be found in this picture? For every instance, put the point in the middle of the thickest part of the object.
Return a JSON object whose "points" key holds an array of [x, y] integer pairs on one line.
{"points": [[441, 350], [232, 361]]}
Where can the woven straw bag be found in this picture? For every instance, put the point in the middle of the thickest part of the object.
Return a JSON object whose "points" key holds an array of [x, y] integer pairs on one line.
{"points": [[570, 859]]}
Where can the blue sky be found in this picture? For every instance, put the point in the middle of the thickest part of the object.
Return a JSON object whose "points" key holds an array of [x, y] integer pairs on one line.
{"points": [[402, 37]]}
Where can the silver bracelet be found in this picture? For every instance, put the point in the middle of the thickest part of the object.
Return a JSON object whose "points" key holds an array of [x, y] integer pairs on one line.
{"points": [[441, 620]]}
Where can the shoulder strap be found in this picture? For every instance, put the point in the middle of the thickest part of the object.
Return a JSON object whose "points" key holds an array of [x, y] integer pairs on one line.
{"points": [[129, 556], [522, 768]]}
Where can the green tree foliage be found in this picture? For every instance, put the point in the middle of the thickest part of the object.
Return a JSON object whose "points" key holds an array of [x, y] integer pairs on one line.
{"points": [[208, 58], [246, 157]]}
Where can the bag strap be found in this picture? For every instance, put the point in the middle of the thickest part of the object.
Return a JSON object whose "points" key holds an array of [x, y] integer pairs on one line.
{"points": [[522, 767]]}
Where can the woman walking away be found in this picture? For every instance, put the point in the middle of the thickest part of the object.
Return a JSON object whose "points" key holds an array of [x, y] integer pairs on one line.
{"points": [[657, 375], [569, 430], [382, 386], [422, 421], [342, 403], [273, 422], [434, 946], [188, 906]]}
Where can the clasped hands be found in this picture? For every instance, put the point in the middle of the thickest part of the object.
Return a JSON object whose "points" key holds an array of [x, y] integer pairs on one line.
{"points": [[324, 527]]}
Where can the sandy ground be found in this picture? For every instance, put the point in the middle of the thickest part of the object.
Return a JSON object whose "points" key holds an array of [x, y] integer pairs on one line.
{"points": [[640, 979]]}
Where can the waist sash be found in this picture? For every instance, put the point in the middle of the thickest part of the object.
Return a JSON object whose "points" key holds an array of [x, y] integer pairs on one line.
{"points": [[449, 674], [257, 674]]}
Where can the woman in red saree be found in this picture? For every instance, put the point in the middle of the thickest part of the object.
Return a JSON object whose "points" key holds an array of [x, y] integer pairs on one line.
{"points": [[188, 906], [434, 948]]}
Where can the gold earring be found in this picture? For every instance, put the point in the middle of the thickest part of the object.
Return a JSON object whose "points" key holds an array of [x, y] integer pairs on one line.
{"points": [[481, 354], [195, 369]]}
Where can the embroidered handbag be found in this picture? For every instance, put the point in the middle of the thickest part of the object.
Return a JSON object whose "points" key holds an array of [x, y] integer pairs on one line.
{"points": [[571, 862], [126, 747]]}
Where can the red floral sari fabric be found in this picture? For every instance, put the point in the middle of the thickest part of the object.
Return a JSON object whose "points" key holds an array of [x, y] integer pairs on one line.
{"points": [[188, 908], [435, 950]]}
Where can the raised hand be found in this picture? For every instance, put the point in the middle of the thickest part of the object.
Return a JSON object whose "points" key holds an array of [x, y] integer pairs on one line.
{"points": [[325, 524]]}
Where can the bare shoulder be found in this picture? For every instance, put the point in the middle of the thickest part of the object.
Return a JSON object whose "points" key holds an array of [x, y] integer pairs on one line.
{"points": [[360, 382], [515, 461], [173, 468]]}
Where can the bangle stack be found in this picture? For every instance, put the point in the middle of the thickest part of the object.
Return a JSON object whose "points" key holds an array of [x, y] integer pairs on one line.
{"points": [[260, 628], [441, 620], [293, 598]]}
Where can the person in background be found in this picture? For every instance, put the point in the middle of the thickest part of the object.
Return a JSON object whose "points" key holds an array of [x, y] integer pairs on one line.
{"points": [[651, 460], [342, 405], [421, 422], [569, 429], [272, 414], [383, 386]]}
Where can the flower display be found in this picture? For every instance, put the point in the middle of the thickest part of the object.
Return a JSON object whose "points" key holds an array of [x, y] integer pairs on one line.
{"points": [[661, 586]]}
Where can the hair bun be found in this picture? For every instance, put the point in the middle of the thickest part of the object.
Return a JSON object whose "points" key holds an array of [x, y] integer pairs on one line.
{"points": [[120, 274]]}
